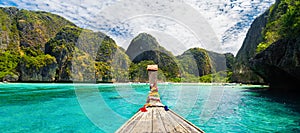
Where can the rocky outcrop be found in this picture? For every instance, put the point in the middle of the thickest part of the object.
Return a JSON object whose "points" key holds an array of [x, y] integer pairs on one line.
{"points": [[279, 64], [241, 70], [10, 78], [277, 56], [62, 47], [36, 72], [83, 55]]}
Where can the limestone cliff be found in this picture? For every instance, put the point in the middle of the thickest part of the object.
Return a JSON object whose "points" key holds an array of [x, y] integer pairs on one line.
{"points": [[241, 70], [278, 55], [279, 64], [38, 46], [23, 35], [272, 48]]}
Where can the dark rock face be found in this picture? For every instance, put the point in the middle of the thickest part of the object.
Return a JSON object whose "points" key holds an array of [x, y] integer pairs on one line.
{"points": [[241, 70], [218, 61], [229, 57], [11, 78], [45, 73], [279, 64], [62, 47]]}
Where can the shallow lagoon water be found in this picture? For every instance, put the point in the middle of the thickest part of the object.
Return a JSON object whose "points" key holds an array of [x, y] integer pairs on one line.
{"points": [[93, 108]]}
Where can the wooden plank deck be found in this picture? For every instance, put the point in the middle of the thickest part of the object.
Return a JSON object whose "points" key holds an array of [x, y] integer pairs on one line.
{"points": [[157, 120]]}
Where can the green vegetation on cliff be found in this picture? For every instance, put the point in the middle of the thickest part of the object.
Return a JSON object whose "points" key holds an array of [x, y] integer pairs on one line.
{"points": [[92, 55], [277, 58], [23, 37], [194, 65], [8, 63], [38, 61], [195, 61], [9, 31], [40, 46], [271, 49], [283, 23], [36, 28]]}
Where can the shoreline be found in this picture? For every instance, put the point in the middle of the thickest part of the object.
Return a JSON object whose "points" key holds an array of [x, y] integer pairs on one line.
{"points": [[135, 83], [54, 82]]}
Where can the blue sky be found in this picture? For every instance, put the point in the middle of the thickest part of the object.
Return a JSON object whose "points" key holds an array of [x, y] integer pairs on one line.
{"points": [[216, 25]]}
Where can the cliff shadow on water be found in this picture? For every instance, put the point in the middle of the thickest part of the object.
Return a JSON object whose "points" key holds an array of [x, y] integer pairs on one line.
{"points": [[289, 98]]}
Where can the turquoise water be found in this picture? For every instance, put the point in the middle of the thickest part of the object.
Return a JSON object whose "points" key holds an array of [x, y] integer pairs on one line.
{"points": [[105, 107]]}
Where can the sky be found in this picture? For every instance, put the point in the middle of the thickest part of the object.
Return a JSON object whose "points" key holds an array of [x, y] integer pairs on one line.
{"points": [[216, 25]]}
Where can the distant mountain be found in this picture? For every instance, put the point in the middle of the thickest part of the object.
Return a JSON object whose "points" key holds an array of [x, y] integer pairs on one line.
{"points": [[142, 43], [211, 66], [230, 19], [39, 46], [43, 47], [145, 47], [192, 64], [195, 61]]}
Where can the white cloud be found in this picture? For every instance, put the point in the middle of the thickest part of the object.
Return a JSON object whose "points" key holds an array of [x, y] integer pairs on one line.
{"points": [[224, 22], [231, 20]]}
